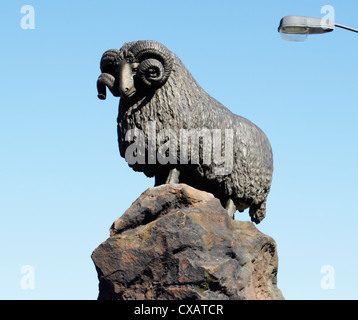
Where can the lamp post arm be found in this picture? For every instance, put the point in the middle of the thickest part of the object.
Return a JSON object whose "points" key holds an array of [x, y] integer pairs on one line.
{"points": [[345, 27]]}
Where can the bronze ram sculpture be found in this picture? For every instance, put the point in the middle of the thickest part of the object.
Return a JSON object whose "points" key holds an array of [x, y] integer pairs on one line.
{"points": [[160, 97]]}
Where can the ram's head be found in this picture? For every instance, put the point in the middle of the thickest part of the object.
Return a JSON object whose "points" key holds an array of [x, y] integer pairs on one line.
{"points": [[137, 66]]}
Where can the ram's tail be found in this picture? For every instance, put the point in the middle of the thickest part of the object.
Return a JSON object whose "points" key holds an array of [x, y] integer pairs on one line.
{"points": [[258, 212]]}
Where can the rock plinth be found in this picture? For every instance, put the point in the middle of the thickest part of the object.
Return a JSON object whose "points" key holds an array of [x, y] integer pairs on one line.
{"points": [[176, 242]]}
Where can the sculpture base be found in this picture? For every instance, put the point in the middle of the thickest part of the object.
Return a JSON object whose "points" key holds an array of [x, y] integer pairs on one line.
{"points": [[176, 242]]}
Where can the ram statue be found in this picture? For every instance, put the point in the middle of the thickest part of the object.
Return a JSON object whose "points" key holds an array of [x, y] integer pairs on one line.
{"points": [[171, 129]]}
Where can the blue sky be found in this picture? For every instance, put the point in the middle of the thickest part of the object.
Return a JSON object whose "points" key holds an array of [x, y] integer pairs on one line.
{"points": [[63, 183]]}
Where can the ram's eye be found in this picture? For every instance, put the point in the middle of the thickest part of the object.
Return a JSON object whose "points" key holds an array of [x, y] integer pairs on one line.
{"points": [[135, 67]]}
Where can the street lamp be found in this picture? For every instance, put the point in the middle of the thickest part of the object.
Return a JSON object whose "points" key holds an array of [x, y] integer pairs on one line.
{"points": [[297, 28]]}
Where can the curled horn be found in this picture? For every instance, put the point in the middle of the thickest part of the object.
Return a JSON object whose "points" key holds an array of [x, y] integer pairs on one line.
{"points": [[108, 64], [155, 62], [109, 60]]}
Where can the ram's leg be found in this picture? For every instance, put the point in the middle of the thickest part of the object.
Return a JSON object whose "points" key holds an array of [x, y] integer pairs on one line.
{"points": [[159, 179], [258, 212], [167, 176], [173, 176], [231, 208]]}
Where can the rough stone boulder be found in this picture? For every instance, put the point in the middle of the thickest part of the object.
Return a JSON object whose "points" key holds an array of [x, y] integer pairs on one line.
{"points": [[176, 242]]}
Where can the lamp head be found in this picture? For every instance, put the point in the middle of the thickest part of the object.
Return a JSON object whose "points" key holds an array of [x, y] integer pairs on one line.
{"points": [[297, 28]]}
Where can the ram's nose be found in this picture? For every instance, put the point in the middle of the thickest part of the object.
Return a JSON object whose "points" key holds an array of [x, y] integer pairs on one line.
{"points": [[126, 81]]}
